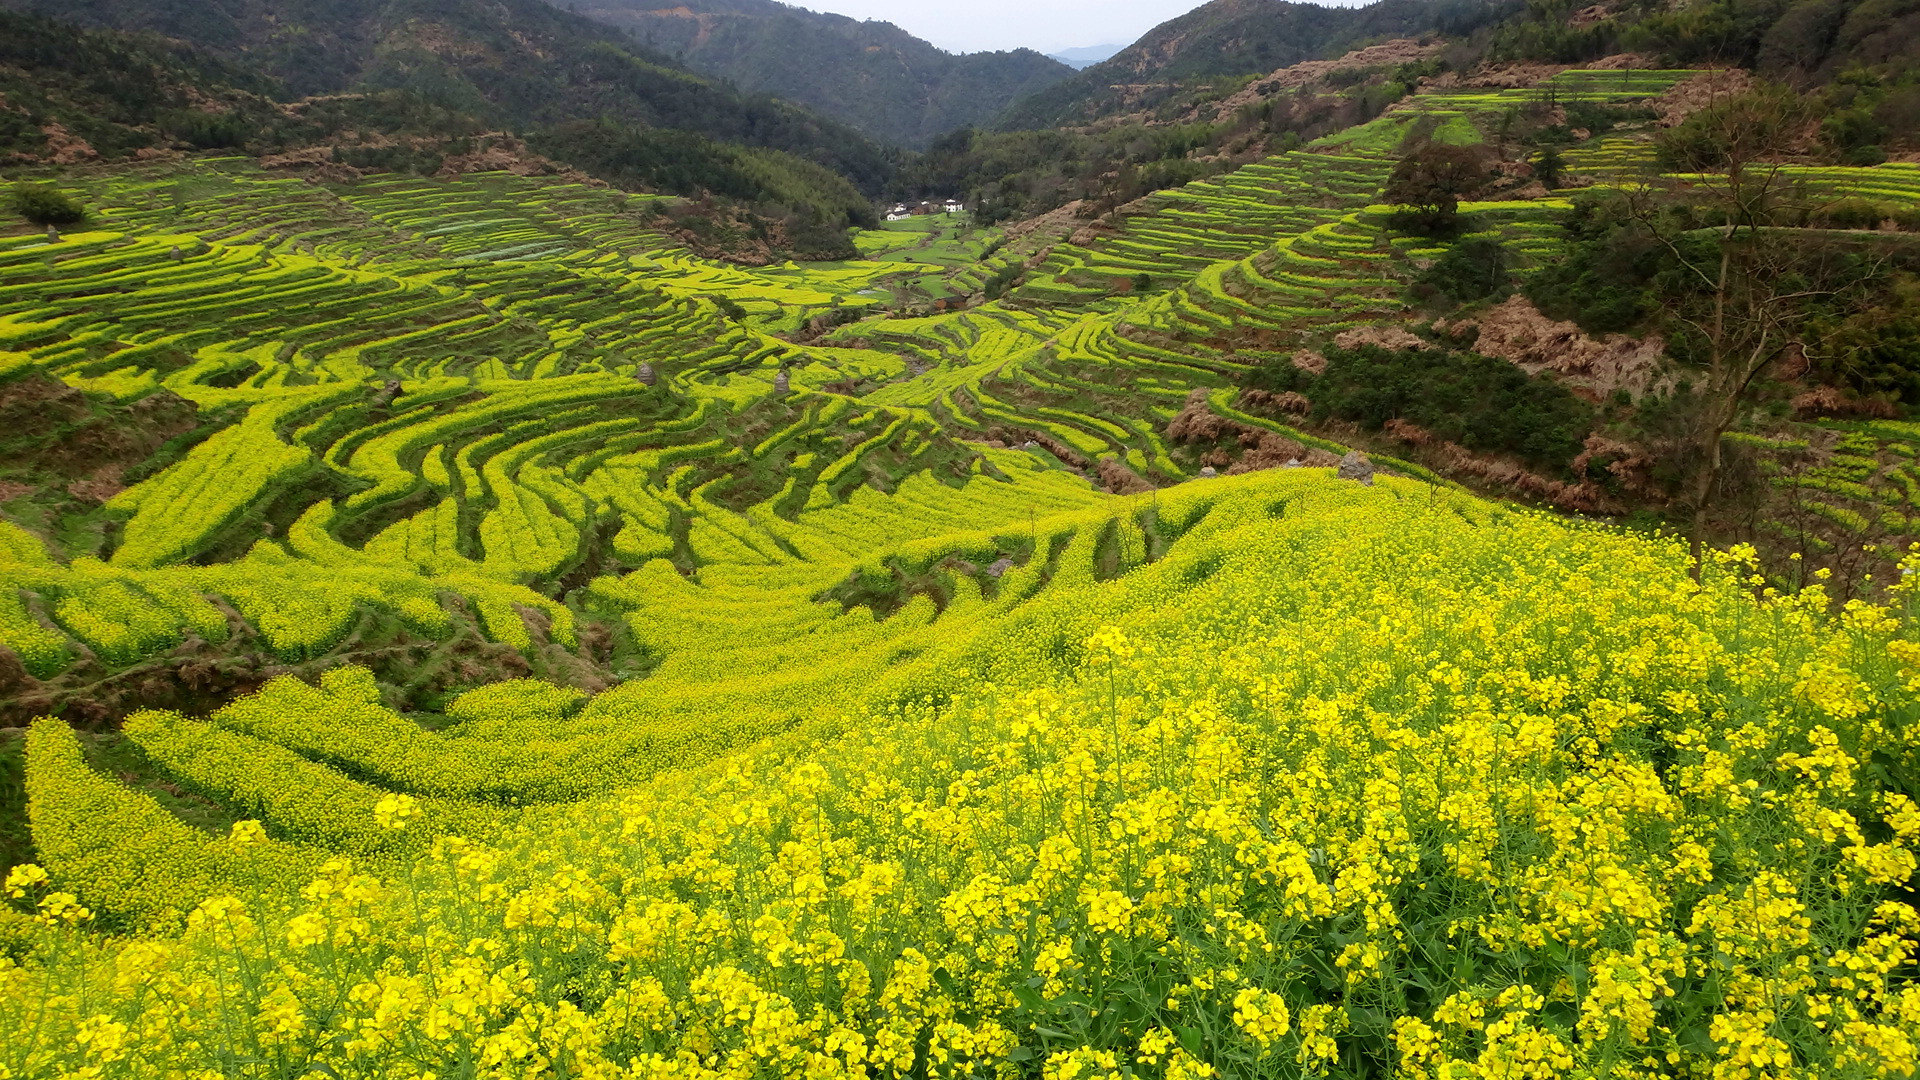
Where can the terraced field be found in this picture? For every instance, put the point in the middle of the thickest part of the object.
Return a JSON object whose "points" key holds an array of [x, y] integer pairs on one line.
{"points": [[1249, 265], [507, 412], [513, 392], [521, 440], [1174, 235], [483, 402]]}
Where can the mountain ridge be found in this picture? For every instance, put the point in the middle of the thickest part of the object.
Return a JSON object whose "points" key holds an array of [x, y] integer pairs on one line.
{"points": [[873, 75], [1234, 38], [518, 63]]}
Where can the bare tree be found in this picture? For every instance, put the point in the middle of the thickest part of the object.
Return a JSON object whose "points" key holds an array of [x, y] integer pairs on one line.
{"points": [[1746, 286]]}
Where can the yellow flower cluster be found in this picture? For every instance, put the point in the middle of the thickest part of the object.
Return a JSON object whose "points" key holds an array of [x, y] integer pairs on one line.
{"points": [[395, 811], [1262, 1015], [23, 877]]}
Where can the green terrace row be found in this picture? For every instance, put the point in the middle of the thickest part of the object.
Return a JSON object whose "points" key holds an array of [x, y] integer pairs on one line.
{"points": [[1332, 275], [1868, 486], [1226, 218], [412, 224]]}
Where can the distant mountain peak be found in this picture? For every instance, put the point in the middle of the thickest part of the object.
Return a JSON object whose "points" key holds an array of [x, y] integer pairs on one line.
{"points": [[1085, 56]]}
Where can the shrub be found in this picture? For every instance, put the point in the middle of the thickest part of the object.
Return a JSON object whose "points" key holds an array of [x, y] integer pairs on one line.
{"points": [[1549, 168], [1854, 213], [1877, 348], [1736, 131], [1855, 136], [1003, 279], [1476, 268], [44, 204], [1604, 278], [1484, 404]]}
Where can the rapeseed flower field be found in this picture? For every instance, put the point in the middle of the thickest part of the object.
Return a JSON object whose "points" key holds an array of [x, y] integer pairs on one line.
{"points": [[1340, 781], [919, 756]]}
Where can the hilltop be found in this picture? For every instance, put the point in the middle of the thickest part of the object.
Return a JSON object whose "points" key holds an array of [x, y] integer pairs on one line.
{"points": [[871, 75]]}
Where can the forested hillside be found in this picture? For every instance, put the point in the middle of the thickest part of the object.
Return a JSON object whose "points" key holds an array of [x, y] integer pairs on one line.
{"points": [[111, 95], [1808, 39], [872, 75], [387, 84]]}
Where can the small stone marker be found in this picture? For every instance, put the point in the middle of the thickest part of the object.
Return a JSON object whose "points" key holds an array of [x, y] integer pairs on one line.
{"points": [[176, 254], [782, 382], [645, 376], [1209, 473], [53, 235], [1355, 466], [1292, 463]]}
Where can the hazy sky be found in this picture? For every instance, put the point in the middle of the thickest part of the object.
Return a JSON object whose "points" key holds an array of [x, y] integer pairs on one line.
{"points": [[1047, 25]]}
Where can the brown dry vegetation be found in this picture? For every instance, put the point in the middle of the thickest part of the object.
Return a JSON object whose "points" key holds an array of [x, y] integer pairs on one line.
{"points": [[1516, 331]]}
